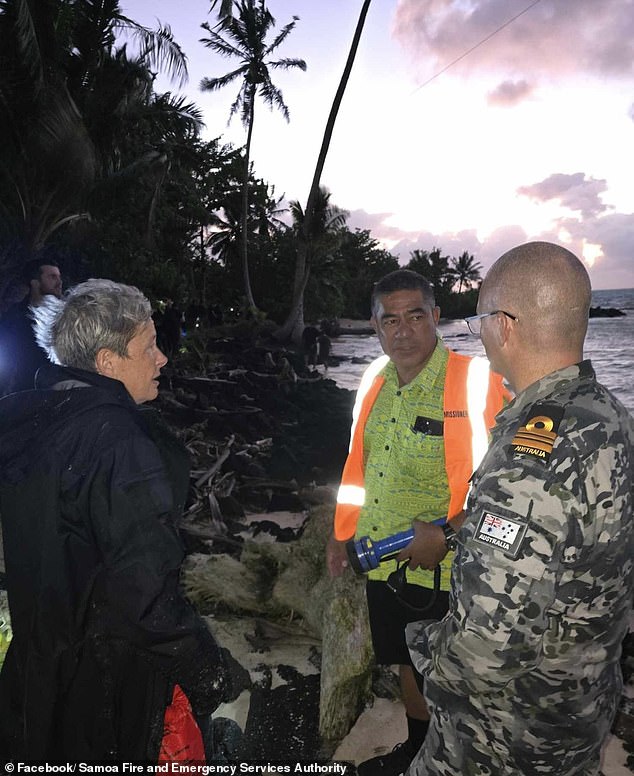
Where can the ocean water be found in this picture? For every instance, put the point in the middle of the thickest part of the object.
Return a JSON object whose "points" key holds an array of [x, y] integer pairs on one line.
{"points": [[610, 345]]}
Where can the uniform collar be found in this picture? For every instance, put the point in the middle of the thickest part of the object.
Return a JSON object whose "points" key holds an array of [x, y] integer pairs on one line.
{"points": [[548, 386]]}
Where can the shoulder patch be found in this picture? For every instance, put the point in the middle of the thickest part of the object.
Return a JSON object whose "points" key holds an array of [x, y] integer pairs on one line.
{"points": [[537, 436], [501, 532]]}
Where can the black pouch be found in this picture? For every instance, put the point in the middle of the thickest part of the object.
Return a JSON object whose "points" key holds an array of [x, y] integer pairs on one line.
{"points": [[428, 426]]}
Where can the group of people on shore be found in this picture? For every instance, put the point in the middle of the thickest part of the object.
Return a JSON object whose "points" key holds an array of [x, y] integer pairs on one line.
{"points": [[514, 669], [515, 475]]}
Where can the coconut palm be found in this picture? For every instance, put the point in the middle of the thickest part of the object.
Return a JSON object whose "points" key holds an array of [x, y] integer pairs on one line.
{"points": [[437, 268], [293, 325], [327, 217], [57, 60], [466, 270], [328, 221], [244, 36]]}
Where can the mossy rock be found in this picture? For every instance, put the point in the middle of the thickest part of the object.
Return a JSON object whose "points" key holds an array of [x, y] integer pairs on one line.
{"points": [[347, 658], [212, 580]]}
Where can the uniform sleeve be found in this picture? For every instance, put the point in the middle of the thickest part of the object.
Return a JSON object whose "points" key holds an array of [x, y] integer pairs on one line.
{"points": [[130, 507], [506, 611]]}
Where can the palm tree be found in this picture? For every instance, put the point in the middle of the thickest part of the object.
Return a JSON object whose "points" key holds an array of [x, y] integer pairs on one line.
{"points": [[326, 234], [327, 219], [466, 270], [57, 59], [434, 266], [293, 325], [245, 38], [47, 157], [419, 262]]}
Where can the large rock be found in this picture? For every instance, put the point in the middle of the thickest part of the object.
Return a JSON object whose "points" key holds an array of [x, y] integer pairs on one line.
{"points": [[347, 658], [288, 581]]}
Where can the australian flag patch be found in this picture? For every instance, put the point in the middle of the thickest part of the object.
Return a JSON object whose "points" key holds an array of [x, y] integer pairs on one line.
{"points": [[502, 532]]}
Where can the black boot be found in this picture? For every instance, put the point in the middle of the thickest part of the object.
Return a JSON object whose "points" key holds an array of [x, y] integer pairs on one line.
{"points": [[391, 764]]}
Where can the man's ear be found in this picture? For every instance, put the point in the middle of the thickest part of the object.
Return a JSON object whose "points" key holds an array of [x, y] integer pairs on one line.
{"points": [[505, 328], [105, 362], [436, 314]]}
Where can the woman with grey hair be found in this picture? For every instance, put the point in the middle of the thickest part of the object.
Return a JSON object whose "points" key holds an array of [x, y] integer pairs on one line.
{"points": [[91, 489]]}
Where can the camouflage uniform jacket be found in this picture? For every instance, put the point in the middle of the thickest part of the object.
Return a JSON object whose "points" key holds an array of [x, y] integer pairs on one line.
{"points": [[523, 673]]}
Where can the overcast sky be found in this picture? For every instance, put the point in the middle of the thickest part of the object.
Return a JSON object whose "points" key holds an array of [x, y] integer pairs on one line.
{"points": [[467, 124]]}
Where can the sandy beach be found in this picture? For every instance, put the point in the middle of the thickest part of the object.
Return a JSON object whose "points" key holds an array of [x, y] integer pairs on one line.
{"points": [[278, 712]]}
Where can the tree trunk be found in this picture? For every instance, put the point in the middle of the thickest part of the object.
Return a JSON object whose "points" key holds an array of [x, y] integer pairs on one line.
{"points": [[302, 266], [302, 273], [245, 214], [203, 265]]}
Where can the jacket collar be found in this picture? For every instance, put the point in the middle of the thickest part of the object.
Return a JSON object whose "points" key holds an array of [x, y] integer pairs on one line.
{"points": [[60, 378]]}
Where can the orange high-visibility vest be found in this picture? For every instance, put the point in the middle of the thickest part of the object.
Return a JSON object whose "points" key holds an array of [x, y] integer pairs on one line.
{"points": [[473, 395]]}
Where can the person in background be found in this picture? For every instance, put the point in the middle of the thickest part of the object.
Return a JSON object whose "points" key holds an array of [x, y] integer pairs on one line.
{"points": [[522, 675], [20, 355], [92, 486], [324, 345], [310, 347], [169, 328], [419, 427]]}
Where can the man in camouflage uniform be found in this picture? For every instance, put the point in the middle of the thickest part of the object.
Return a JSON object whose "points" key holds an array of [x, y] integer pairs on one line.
{"points": [[522, 675]]}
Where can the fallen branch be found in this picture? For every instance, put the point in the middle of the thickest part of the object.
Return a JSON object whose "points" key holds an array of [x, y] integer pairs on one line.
{"points": [[219, 461]]}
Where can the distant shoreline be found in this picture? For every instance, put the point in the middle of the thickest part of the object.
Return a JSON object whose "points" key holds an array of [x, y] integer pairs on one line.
{"points": [[605, 312], [354, 327]]}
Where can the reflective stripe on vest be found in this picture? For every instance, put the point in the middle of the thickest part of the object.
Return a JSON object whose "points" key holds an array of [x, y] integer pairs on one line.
{"points": [[369, 375], [472, 397], [478, 376], [466, 439]]}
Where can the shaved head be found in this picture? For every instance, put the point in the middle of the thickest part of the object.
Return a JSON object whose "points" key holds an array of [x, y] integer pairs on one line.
{"points": [[547, 287]]}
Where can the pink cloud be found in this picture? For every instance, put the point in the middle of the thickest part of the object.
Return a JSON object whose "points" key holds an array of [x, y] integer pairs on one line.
{"points": [[550, 38], [575, 192], [510, 93], [613, 232], [375, 222]]}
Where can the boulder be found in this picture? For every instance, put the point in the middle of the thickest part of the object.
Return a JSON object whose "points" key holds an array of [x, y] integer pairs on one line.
{"points": [[288, 581], [346, 659]]}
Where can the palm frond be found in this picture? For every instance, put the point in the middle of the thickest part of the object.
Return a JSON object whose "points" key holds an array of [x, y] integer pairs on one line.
{"points": [[225, 8], [282, 35], [287, 63], [212, 84], [158, 48], [272, 96], [247, 105], [220, 45], [174, 114], [242, 104], [21, 30]]}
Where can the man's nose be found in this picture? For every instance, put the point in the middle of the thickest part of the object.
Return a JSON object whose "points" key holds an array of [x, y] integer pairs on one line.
{"points": [[403, 329]]}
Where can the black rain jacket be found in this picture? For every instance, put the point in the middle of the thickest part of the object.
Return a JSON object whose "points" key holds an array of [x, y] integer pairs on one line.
{"points": [[91, 488]]}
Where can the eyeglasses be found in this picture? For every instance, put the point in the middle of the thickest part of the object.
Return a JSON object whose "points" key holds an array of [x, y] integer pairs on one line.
{"points": [[474, 322]]}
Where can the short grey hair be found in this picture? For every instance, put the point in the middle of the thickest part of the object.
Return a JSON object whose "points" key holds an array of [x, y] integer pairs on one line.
{"points": [[92, 315]]}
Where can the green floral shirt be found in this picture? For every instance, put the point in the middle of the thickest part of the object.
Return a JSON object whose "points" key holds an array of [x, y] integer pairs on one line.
{"points": [[405, 475]]}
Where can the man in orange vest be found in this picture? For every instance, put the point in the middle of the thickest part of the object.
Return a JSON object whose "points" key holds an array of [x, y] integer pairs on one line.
{"points": [[419, 430]]}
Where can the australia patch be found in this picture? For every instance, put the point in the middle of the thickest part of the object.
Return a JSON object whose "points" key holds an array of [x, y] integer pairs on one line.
{"points": [[502, 532], [537, 436]]}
